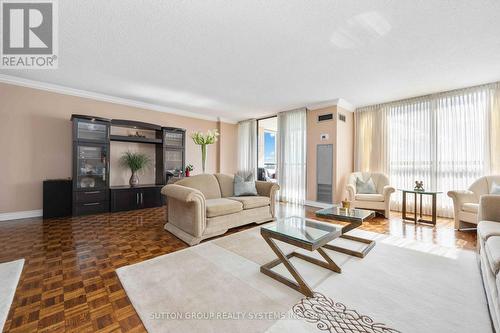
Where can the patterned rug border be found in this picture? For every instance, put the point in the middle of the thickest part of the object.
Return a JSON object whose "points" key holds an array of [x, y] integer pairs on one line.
{"points": [[336, 317]]}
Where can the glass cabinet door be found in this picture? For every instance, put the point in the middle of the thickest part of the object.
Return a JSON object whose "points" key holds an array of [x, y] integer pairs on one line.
{"points": [[174, 161], [91, 131], [91, 166], [174, 139]]}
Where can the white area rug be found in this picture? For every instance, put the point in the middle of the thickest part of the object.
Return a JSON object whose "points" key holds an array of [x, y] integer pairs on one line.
{"points": [[10, 272], [400, 286]]}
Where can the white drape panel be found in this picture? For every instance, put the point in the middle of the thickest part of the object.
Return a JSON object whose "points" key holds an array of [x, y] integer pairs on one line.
{"points": [[247, 148], [495, 129], [446, 140], [371, 139], [292, 155]]}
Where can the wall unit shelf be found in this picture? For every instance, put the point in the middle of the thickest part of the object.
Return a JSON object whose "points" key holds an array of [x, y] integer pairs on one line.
{"points": [[124, 138]]}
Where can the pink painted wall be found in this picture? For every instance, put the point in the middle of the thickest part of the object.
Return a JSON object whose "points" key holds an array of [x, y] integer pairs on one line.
{"points": [[35, 140]]}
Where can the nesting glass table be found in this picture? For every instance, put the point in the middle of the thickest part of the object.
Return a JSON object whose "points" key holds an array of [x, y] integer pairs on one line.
{"points": [[312, 235]]}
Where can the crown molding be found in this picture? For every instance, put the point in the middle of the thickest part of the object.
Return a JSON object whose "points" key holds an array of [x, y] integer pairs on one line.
{"points": [[17, 81], [339, 102]]}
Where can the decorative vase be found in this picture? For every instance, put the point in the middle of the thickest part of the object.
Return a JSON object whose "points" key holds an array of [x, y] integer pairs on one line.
{"points": [[203, 157], [188, 173], [134, 180]]}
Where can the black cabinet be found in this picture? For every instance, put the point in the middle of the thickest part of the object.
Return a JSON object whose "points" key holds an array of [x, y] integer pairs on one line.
{"points": [[57, 198], [130, 198]]}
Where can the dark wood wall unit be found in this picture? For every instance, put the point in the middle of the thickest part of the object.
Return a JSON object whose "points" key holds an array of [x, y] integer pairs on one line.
{"points": [[124, 138], [135, 124], [129, 198], [91, 145], [90, 164], [174, 143], [91, 118], [160, 175]]}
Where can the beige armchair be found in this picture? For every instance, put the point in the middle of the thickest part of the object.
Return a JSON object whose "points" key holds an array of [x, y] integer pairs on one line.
{"points": [[379, 201], [466, 202], [204, 206]]}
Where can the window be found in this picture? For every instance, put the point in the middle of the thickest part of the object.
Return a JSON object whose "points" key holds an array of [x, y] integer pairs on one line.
{"points": [[269, 148], [266, 143], [439, 140]]}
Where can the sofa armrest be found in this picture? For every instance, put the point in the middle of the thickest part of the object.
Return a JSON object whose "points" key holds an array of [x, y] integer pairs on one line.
{"points": [[387, 191], [181, 193], [351, 192], [186, 209], [489, 208], [462, 196], [268, 189]]}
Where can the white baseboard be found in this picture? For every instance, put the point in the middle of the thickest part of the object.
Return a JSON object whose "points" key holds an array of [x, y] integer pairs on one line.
{"points": [[21, 215], [317, 204]]}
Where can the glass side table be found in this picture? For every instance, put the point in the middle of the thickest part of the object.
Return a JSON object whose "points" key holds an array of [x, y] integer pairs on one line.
{"points": [[418, 219]]}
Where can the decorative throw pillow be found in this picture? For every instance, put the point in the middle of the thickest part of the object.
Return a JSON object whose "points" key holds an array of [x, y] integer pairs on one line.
{"points": [[366, 187], [495, 188], [244, 186]]}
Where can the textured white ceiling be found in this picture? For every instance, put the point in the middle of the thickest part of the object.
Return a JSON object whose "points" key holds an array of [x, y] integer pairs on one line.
{"points": [[238, 59]]}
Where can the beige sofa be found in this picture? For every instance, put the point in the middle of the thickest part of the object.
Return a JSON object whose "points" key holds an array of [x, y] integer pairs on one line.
{"points": [[380, 201], [204, 206], [466, 202], [488, 240]]}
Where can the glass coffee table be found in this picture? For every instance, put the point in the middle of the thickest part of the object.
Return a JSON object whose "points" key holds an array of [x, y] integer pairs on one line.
{"points": [[354, 218], [306, 234]]}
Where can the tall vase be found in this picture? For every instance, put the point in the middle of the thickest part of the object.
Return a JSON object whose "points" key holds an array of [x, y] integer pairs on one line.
{"points": [[134, 179], [203, 157]]}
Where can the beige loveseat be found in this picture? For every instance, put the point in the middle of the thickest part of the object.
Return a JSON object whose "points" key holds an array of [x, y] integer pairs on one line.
{"points": [[488, 240], [204, 206], [466, 202]]}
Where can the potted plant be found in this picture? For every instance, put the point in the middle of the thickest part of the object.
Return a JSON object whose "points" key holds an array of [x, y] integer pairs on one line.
{"points": [[135, 162], [189, 168], [204, 139]]}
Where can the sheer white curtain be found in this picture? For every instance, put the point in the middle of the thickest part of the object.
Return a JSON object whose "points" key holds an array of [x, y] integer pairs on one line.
{"points": [[291, 152], [247, 148], [446, 140], [495, 128], [370, 138]]}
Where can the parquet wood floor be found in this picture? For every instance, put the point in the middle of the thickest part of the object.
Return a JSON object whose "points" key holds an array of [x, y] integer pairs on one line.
{"points": [[69, 283]]}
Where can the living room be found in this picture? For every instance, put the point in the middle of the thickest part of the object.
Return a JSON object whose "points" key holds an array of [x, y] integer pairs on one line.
{"points": [[249, 166]]}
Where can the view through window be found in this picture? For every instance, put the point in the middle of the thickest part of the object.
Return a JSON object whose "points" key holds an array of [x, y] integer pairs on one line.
{"points": [[267, 129]]}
